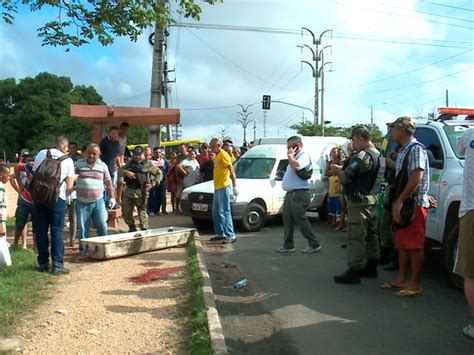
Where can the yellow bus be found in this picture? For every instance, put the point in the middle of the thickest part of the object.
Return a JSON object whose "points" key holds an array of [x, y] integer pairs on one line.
{"points": [[172, 145]]}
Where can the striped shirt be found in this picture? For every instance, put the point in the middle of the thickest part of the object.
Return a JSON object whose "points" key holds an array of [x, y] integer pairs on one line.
{"points": [[90, 181], [3, 203], [418, 159]]}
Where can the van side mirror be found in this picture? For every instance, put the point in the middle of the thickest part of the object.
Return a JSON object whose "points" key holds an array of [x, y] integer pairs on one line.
{"points": [[279, 175]]}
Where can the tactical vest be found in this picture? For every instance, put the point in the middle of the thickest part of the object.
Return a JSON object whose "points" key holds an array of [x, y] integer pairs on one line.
{"points": [[141, 178], [367, 183]]}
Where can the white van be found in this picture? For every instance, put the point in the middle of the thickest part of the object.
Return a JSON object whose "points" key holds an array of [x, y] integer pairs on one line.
{"points": [[259, 181]]}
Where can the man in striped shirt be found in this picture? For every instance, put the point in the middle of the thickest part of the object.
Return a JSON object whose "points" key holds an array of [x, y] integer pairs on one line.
{"points": [[92, 175]]}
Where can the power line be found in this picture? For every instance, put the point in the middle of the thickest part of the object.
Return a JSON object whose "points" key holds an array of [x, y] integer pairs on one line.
{"points": [[425, 13], [405, 86], [338, 35], [401, 15], [448, 6], [404, 73], [232, 62]]}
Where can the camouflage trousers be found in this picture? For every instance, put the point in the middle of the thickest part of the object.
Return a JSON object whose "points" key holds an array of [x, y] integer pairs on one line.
{"points": [[363, 241], [141, 203]]}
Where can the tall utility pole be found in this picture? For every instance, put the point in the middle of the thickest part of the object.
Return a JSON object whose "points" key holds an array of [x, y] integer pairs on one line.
{"points": [[244, 120], [371, 118], [154, 139], [316, 43]]}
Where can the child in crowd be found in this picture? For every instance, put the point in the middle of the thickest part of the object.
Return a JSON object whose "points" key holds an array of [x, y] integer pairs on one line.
{"points": [[5, 253], [334, 190]]}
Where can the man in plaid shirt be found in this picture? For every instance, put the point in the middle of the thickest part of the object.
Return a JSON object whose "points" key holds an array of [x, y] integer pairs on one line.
{"points": [[411, 238]]}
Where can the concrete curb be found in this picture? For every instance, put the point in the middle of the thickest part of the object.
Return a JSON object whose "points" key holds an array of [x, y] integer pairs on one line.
{"points": [[214, 324]]}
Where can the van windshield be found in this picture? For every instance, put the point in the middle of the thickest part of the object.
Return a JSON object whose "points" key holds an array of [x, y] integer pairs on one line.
{"points": [[254, 168], [454, 133]]}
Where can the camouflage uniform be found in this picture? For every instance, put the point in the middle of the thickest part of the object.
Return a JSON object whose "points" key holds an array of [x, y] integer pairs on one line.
{"points": [[362, 219], [138, 196], [360, 178]]}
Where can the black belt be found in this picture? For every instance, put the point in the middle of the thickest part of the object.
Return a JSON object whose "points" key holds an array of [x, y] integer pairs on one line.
{"points": [[298, 190]]}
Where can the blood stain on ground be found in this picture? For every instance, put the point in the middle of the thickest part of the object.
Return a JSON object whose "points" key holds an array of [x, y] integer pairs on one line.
{"points": [[155, 274]]}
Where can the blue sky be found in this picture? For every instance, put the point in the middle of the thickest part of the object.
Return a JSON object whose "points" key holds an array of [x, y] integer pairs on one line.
{"points": [[398, 57]]}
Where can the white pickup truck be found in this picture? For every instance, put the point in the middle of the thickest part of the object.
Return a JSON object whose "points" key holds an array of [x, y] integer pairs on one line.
{"points": [[259, 180], [440, 137]]}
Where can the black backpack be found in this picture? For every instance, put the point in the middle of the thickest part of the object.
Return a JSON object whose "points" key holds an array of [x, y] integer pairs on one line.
{"points": [[46, 182]]}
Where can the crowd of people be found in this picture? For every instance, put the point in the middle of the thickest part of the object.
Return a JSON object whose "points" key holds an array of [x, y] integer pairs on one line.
{"points": [[93, 180], [103, 178], [354, 185]]}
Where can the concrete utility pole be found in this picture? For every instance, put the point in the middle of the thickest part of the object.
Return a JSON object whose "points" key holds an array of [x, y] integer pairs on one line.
{"points": [[154, 138], [316, 43], [244, 120]]}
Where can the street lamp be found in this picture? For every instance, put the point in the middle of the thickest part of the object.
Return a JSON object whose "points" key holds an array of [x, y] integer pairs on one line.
{"points": [[316, 43]]}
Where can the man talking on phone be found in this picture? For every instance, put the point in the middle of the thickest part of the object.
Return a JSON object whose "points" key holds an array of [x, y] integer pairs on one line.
{"points": [[297, 199]]}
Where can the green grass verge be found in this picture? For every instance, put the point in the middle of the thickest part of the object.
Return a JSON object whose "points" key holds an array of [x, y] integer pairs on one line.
{"points": [[22, 288], [200, 342]]}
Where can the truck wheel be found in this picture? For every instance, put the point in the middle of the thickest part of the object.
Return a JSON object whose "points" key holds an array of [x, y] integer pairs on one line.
{"points": [[449, 249], [254, 218], [323, 211]]}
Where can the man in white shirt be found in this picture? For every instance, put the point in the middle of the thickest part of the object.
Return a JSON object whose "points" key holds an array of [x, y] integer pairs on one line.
{"points": [[464, 265], [52, 216]]}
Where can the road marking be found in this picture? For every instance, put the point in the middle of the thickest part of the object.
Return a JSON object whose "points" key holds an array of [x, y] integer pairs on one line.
{"points": [[258, 297]]}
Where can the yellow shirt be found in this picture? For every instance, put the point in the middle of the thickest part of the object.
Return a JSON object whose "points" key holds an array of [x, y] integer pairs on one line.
{"points": [[334, 186], [222, 162]]}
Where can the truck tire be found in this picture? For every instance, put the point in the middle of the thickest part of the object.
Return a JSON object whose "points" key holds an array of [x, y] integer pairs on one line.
{"points": [[449, 250], [323, 211], [254, 218]]}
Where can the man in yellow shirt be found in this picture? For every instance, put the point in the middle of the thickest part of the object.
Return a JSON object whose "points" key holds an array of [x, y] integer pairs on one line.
{"points": [[224, 175]]}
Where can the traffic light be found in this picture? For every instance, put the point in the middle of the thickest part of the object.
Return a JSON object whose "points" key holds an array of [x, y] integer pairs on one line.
{"points": [[266, 102]]}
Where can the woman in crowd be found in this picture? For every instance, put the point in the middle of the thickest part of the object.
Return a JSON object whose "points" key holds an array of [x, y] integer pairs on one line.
{"points": [[172, 180]]}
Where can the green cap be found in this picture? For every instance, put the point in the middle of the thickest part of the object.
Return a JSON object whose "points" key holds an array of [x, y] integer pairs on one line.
{"points": [[405, 122]]}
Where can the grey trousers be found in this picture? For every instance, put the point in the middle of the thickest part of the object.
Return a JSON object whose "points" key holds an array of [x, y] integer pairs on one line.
{"points": [[294, 213]]}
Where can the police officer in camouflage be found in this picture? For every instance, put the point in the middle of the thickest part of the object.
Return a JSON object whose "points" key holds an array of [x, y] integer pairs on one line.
{"points": [[361, 178], [138, 176]]}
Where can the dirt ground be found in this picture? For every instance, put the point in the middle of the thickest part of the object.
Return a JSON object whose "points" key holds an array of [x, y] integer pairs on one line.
{"points": [[98, 309]]}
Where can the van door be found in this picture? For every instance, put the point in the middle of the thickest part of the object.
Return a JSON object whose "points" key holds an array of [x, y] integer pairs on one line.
{"points": [[278, 194], [436, 155]]}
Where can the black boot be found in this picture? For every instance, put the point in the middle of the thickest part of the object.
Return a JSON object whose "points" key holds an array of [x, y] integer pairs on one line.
{"points": [[393, 261], [351, 276], [370, 269], [132, 228]]}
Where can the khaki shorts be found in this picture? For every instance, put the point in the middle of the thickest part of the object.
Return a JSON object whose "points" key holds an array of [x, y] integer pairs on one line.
{"points": [[464, 264]]}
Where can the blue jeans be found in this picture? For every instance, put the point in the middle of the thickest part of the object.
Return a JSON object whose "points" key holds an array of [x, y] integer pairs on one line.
{"points": [[93, 210], [52, 218], [221, 213], [157, 199]]}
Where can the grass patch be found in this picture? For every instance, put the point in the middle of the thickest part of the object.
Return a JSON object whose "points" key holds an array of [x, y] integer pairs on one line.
{"points": [[200, 342], [22, 288], [10, 223]]}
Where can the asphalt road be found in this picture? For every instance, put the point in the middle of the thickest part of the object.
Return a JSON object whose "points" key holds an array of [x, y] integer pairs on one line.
{"points": [[293, 306]]}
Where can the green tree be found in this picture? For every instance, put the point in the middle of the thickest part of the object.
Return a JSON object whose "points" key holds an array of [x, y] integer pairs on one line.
{"points": [[310, 129], [36, 110], [79, 22]]}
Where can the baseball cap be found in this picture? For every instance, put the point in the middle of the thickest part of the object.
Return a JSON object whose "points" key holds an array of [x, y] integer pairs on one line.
{"points": [[405, 122], [228, 140], [361, 131], [25, 153], [138, 150]]}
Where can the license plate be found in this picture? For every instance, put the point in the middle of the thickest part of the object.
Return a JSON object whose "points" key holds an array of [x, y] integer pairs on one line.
{"points": [[200, 207]]}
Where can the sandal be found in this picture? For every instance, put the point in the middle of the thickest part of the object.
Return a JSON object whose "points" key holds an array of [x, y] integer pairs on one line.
{"points": [[468, 331], [408, 293], [391, 286]]}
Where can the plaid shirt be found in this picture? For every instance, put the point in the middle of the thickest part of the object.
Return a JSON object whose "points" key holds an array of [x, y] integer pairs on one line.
{"points": [[418, 159]]}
